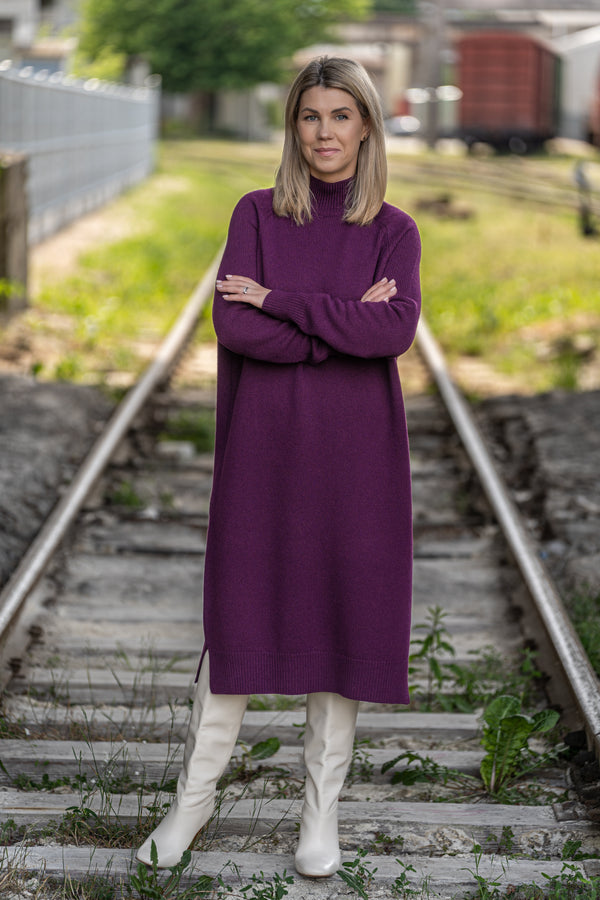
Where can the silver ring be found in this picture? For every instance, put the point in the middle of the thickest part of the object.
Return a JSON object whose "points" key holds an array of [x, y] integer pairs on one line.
{"points": [[246, 289]]}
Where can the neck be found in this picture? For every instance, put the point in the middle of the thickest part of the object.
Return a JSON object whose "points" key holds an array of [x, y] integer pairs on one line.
{"points": [[330, 196]]}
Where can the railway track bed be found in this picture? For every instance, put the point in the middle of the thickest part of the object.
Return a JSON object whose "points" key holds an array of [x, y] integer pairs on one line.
{"points": [[94, 715]]}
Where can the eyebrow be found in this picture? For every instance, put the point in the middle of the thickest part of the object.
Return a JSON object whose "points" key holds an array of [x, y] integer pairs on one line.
{"points": [[338, 110]]}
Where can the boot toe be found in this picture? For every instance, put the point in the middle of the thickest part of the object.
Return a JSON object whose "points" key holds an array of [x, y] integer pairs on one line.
{"points": [[317, 864]]}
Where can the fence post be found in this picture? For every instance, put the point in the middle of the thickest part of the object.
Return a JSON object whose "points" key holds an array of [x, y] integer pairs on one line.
{"points": [[13, 232]]}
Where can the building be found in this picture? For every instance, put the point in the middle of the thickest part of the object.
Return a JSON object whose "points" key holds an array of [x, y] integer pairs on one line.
{"points": [[35, 32]]}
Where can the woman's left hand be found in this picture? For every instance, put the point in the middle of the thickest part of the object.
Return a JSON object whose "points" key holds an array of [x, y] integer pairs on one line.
{"points": [[245, 290]]}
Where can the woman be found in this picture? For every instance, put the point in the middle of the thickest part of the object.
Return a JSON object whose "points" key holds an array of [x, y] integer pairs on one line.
{"points": [[309, 554]]}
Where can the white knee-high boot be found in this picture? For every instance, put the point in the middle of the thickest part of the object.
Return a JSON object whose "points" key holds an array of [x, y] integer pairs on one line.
{"points": [[213, 730], [328, 743]]}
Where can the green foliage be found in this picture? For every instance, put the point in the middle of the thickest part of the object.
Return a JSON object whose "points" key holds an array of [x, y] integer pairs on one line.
{"points": [[358, 874], [243, 771], [506, 735], [419, 768], [400, 7], [197, 427], [584, 610], [208, 44], [361, 767], [570, 884], [501, 284], [402, 887], [431, 648], [107, 65], [150, 884], [10, 832], [8, 290], [93, 887], [260, 888], [465, 687], [125, 494]]}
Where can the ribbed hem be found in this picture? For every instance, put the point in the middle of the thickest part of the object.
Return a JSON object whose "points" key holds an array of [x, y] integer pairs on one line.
{"points": [[329, 197], [286, 306], [375, 681]]}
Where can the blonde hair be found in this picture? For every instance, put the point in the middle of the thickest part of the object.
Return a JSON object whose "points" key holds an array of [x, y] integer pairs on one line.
{"points": [[292, 196]]}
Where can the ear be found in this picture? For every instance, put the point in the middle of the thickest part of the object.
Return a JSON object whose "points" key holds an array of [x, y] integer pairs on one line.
{"points": [[366, 132]]}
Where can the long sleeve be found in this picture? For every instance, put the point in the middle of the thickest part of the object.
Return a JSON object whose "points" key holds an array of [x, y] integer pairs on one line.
{"points": [[244, 329], [349, 326]]}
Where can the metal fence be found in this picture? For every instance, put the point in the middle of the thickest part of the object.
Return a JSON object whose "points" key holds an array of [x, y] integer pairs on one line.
{"points": [[86, 141]]}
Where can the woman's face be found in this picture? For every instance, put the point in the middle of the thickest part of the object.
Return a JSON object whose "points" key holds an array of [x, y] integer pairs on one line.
{"points": [[330, 129]]}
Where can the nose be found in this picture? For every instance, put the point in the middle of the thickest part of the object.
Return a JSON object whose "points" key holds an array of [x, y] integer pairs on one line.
{"points": [[324, 129]]}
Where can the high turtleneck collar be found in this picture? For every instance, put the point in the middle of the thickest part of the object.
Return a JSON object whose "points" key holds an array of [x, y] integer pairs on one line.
{"points": [[329, 197]]}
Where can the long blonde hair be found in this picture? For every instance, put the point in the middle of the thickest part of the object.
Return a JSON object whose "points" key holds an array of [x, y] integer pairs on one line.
{"points": [[292, 195]]}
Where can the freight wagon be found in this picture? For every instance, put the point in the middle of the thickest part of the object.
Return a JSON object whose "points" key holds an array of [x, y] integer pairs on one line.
{"points": [[510, 90]]}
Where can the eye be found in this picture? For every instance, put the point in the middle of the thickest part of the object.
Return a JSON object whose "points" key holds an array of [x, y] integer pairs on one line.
{"points": [[309, 117], [341, 116]]}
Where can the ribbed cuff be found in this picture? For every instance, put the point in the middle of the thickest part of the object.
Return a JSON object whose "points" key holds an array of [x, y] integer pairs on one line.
{"points": [[286, 306]]}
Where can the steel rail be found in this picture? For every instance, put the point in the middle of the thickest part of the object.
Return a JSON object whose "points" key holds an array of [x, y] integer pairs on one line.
{"points": [[572, 658], [45, 544]]}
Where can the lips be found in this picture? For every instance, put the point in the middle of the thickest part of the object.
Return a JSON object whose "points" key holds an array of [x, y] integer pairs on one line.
{"points": [[326, 151]]}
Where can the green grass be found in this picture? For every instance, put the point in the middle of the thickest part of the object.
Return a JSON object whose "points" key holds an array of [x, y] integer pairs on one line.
{"points": [[508, 283], [126, 294], [515, 285]]}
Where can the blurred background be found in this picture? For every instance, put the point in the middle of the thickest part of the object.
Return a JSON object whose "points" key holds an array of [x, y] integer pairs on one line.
{"points": [[493, 119]]}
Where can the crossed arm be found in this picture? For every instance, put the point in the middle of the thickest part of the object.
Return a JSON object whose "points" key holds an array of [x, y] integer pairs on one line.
{"points": [[290, 327]]}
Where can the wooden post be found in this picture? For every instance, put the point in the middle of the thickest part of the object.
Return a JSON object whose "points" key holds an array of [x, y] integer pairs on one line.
{"points": [[13, 232]]}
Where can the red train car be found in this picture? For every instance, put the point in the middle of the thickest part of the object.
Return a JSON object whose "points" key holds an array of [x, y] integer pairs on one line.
{"points": [[510, 86]]}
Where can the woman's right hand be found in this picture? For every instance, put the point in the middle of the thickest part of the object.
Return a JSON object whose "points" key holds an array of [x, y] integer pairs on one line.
{"points": [[380, 291]]}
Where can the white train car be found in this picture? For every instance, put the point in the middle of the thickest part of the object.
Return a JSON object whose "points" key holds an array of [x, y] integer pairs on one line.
{"points": [[580, 77]]}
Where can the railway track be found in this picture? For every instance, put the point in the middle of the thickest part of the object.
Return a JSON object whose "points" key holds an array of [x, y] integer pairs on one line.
{"points": [[96, 706], [515, 178]]}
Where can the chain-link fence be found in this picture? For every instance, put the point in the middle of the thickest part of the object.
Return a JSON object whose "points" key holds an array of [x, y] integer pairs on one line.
{"points": [[85, 140]]}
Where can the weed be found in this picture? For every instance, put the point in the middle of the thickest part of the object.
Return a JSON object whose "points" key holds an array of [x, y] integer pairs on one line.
{"points": [[69, 368], [361, 767], [242, 770], [402, 887], [125, 494], [10, 833], [506, 841], [16, 880], [584, 610], [150, 883], [358, 874], [419, 768], [195, 426], [487, 676], [571, 849], [506, 735], [571, 884], [92, 887], [272, 702], [386, 844], [453, 686], [486, 890], [431, 648], [260, 887]]}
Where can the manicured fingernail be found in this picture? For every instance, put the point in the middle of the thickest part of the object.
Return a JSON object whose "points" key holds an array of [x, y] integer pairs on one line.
{"points": [[229, 276]]}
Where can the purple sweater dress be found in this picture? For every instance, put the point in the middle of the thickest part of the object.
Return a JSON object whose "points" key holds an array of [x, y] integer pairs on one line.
{"points": [[309, 554]]}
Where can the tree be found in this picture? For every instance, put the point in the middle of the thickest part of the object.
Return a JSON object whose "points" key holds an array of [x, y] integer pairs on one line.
{"points": [[204, 45]]}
